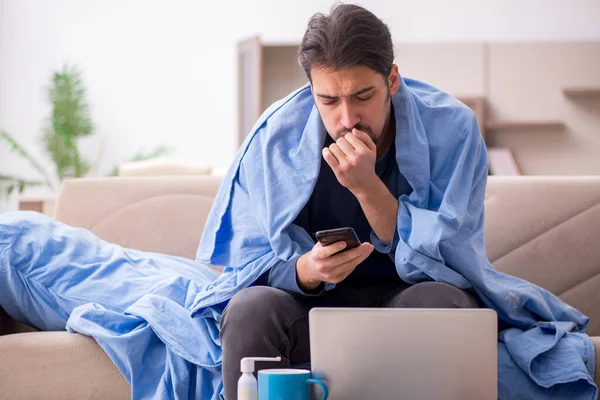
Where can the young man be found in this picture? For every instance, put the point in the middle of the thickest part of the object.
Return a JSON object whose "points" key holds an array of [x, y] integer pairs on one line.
{"points": [[401, 162], [348, 58]]}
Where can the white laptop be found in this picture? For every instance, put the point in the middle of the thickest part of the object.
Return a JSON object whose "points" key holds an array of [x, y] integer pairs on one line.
{"points": [[387, 353]]}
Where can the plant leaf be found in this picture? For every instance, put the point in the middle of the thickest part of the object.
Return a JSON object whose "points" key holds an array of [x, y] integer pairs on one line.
{"points": [[141, 156], [70, 120], [6, 180], [20, 150], [157, 152], [8, 184]]}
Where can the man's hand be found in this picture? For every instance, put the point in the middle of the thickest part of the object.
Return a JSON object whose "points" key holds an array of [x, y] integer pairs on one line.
{"points": [[325, 264], [352, 158]]}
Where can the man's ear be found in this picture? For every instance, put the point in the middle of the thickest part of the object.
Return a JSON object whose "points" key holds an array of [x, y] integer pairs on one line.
{"points": [[394, 80]]}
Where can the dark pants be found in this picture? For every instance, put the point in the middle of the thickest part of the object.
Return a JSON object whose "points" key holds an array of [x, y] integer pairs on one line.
{"points": [[262, 321]]}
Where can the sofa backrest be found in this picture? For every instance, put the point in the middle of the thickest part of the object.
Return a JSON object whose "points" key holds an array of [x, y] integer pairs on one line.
{"points": [[546, 230], [158, 214], [542, 229]]}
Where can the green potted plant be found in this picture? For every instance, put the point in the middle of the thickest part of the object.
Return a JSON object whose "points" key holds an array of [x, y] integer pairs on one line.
{"points": [[68, 122]]}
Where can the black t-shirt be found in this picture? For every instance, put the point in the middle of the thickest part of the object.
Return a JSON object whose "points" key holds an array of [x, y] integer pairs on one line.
{"points": [[333, 206]]}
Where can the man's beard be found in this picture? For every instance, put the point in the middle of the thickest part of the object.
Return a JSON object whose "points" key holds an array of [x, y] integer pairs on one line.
{"points": [[367, 129], [360, 127]]}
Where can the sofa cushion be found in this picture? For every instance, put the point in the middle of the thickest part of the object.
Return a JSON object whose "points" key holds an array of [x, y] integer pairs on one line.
{"points": [[58, 365]]}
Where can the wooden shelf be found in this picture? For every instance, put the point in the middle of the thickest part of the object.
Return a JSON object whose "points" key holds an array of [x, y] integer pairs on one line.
{"points": [[477, 104], [502, 161], [524, 125], [468, 100], [581, 92]]}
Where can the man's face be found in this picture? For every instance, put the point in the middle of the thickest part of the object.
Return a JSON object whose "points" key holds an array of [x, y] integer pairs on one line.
{"points": [[356, 97]]}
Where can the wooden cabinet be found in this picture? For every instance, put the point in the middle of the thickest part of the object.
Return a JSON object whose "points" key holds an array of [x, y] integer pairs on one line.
{"points": [[537, 100], [42, 204], [266, 73], [269, 72]]}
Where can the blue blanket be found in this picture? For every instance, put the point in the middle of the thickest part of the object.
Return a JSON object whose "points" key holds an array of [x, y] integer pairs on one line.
{"points": [[158, 316]]}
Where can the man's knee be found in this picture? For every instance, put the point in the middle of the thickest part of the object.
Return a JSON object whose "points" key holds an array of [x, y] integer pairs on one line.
{"points": [[255, 310], [434, 295]]}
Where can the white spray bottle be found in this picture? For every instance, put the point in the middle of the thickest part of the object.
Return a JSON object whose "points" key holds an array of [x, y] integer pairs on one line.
{"points": [[247, 384]]}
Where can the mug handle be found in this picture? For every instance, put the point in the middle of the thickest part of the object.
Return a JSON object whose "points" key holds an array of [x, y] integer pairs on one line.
{"points": [[323, 386]]}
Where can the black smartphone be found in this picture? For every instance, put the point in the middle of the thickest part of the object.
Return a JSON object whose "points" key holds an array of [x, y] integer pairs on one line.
{"points": [[346, 234]]}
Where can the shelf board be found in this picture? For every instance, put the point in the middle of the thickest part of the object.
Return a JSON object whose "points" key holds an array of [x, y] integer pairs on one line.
{"points": [[524, 125], [582, 92], [470, 99]]}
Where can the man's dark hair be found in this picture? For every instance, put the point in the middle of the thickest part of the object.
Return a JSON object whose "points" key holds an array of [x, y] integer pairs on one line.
{"points": [[348, 37]]}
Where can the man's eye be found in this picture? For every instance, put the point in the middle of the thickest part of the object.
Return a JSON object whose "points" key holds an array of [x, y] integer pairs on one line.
{"points": [[329, 103], [364, 98]]}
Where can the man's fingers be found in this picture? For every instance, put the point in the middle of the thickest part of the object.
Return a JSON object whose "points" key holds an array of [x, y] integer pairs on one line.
{"points": [[337, 152], [345, 145], [329, 250], [330, 158], [366, 139], [341, 271], [356, 143], [363, 250]]}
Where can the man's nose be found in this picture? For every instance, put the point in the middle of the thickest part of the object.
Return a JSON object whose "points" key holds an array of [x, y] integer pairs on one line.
{"points": [[349, 119]]}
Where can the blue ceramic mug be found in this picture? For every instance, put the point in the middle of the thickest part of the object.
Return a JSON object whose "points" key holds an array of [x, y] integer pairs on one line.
{"points": [[286, 384]]}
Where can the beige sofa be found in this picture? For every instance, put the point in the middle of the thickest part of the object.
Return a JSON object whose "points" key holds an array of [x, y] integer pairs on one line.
{"points": [[543, 229]]}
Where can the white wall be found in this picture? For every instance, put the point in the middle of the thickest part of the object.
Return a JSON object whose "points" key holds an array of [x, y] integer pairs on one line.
{"points": [[163, 72]]}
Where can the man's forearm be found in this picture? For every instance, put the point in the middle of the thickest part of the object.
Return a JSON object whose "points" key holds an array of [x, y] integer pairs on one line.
{"points": [[381, 209]]}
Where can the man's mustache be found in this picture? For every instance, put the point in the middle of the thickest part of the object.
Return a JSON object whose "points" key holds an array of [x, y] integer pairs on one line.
{"points": [[360, 127]]}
